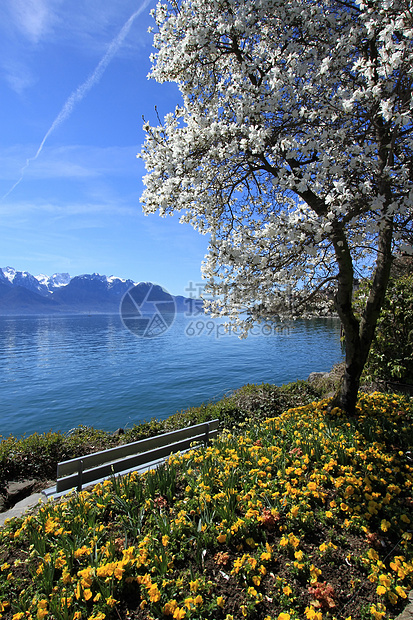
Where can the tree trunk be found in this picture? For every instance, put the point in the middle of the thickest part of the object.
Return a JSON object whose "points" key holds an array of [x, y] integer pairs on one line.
{"points": [[358, 333], [356, 357]]}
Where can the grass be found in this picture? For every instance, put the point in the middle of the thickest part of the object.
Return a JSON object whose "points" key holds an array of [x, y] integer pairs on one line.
{"points": [[302, 515]]}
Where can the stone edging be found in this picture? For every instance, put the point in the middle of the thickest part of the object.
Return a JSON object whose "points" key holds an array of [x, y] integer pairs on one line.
{"points": [[407, 614]]}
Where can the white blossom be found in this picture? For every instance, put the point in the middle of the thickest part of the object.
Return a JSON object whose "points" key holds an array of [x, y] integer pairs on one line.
{"points": [[293, 144]]}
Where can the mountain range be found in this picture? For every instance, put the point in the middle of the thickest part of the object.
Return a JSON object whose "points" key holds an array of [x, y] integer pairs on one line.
{"points": [[23, 293]]}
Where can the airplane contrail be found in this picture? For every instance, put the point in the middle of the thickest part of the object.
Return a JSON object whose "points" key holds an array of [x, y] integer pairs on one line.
{"points": [[82, 90]]}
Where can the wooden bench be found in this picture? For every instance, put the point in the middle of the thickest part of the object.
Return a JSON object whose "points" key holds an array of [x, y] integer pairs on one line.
{"points": [[136, 456]]}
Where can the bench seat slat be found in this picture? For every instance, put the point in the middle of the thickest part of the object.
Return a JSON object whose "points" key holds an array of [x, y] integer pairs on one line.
{"points": [[117, 462], [65, 468]]}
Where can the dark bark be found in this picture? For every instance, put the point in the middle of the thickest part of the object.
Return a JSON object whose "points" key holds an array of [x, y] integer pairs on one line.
{"points": [[358, 333]]}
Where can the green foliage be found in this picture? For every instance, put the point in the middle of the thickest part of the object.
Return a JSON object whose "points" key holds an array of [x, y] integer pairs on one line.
{"points": [[391, 354], [37, 455]]}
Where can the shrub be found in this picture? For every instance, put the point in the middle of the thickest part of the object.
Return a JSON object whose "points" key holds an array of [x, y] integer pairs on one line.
{"points": [[391, 354]]}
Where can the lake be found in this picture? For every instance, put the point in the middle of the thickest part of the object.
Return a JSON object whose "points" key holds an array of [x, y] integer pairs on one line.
{"points": [[57, 372]]}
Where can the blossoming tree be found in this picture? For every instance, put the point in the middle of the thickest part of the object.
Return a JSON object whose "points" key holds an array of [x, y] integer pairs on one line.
{"points": [[292, 149]]}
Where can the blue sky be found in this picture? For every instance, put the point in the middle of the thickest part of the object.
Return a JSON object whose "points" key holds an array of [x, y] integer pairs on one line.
{"points": [[70, 181]]}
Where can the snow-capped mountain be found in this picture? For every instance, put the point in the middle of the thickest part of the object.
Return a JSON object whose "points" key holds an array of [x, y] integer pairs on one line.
{"points": [[38, 284], [23, 293], [24, 279], [55, 281]]}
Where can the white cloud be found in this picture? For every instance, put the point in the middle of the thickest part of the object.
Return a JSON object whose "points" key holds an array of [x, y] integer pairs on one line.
{"points": [[17, 75], [88, 26], [33, 18], [31, 26], [91, 26]]}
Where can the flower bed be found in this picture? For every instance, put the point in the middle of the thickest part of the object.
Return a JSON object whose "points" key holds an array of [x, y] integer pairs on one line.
{"points": [[308, 515]]}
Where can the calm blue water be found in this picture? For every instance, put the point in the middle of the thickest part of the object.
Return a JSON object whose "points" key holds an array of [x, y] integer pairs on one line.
{"points": [[57, 372]]}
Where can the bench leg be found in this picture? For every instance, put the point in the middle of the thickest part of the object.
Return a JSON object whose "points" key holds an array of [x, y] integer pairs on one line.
{"points": [[80, 476]]}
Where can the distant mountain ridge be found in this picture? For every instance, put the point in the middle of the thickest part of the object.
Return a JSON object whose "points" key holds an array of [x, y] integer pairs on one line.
{"points": [[23, 293], [38, 284]]}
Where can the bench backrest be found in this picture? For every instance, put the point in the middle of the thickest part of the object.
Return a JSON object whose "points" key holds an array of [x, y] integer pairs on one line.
{"points": [[98, 465]]}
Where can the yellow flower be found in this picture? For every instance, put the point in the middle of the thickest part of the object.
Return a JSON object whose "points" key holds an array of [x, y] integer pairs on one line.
{"points": [[170, 607], [60, 562], [385, 525], [50, 525], [400, 592], [312, 614], [376, 613], [189, 602], [154, 594], [66, 577], [373, 555], [221, 539], [314, 573], [119, 570], [220, 601], [82, 551], [179, 613], [86, 577], [385, 580], [111, 601], [287, 590], [284, 616]]}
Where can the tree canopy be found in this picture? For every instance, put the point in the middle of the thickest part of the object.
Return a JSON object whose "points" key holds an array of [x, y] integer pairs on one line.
{"points": [[292, 149]]}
